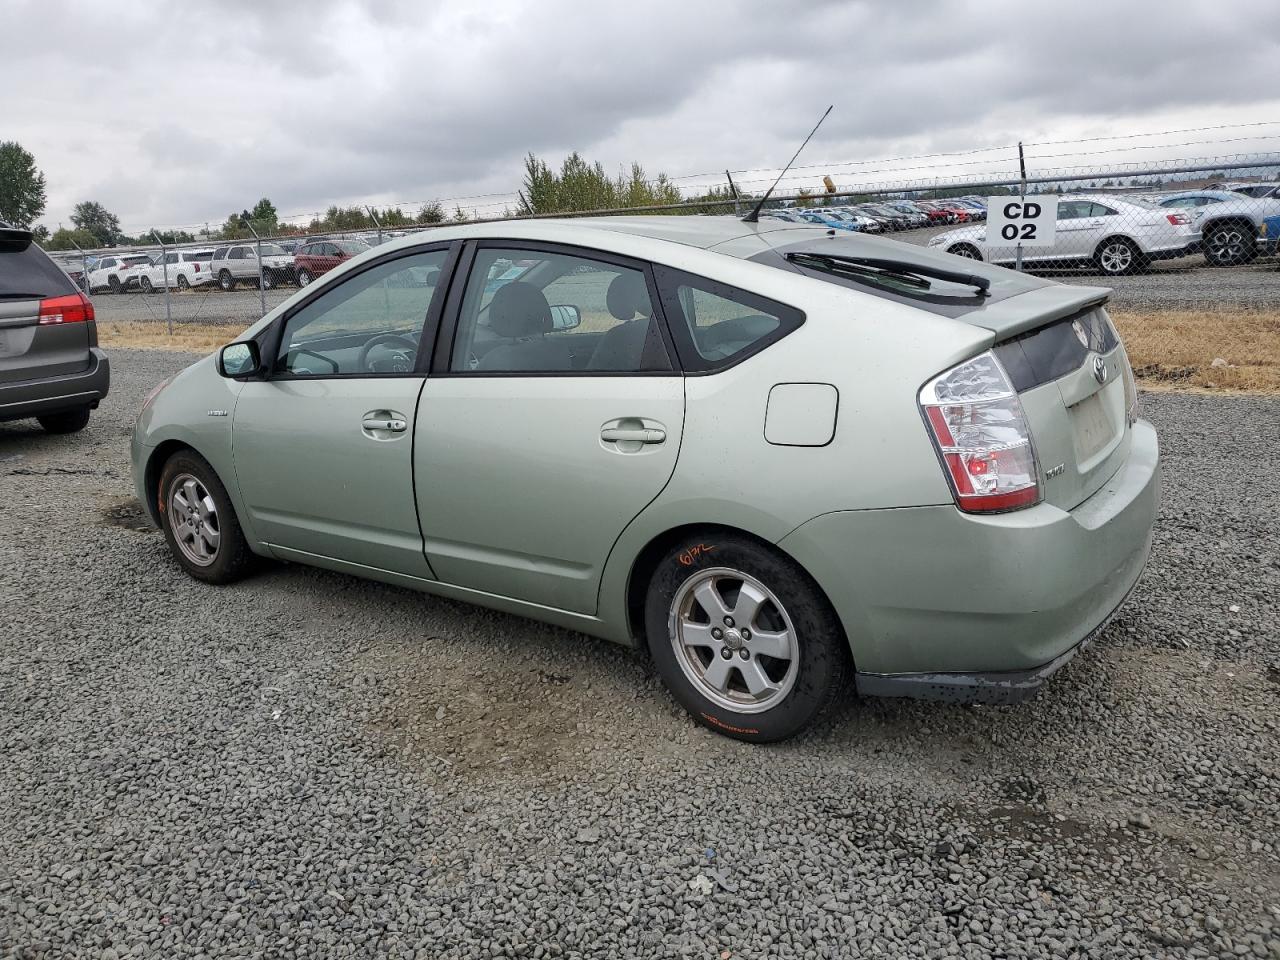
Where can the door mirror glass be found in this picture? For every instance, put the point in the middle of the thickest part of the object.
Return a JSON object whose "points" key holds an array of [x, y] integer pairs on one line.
{"points": [[239, 359], [565, 316]]}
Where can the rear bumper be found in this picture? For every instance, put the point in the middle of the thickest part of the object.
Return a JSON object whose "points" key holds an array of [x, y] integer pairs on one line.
{"points": [[1172, 253], [932, 598], [33, 398]]}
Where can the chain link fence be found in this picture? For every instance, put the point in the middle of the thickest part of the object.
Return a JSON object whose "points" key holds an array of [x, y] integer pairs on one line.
{"points": [[1181, 234]]}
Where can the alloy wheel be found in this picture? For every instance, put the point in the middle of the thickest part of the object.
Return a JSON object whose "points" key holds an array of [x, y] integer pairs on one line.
{"points": [[734, 640], [193, 517], [1116, 257], [1227, 246]]}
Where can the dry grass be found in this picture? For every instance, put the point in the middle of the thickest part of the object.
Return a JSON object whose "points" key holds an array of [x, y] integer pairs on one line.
{"points": [[1175, 349], [187, 337], [1169, 349]]}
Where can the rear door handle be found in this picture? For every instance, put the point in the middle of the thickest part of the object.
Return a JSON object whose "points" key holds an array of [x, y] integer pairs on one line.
{"points": [[393, 425], [632, 434]]}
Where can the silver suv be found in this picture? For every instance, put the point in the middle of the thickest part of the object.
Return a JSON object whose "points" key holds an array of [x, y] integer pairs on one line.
{"points": [[1231, 222], [239, 263]]}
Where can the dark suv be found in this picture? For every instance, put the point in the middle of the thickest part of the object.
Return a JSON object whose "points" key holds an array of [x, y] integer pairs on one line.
{"points": [[50, 364]]}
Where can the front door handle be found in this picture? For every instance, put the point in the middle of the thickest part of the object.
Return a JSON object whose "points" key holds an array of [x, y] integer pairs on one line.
{"points": [[632, 435], [389, 424]]}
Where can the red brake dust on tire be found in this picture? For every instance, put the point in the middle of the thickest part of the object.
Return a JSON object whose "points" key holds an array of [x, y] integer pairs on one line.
{"points": [[743, 638]]}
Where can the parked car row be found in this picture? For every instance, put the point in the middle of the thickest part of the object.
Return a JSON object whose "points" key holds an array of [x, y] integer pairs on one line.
{"points": [[888, 216], [1118, 235], [283, 262]]}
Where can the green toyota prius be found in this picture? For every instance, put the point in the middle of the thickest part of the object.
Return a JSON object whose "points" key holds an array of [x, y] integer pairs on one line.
{"points": [[770, 455]]}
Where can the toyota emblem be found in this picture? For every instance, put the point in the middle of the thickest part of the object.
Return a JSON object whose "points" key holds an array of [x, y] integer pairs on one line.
{"points": [[1100, 369]]}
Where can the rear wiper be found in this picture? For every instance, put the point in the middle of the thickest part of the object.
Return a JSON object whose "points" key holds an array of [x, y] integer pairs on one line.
{"points": [[898, 272]]}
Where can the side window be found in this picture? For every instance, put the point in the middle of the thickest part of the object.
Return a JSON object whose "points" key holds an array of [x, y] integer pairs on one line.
{"points": [[716, 325], [235, 253], [367, 325], [170, 258], [537, 311], [1098, 210], [1072, 209]]}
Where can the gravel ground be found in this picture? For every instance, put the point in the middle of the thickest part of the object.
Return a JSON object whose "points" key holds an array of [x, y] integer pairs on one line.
{"points": [[311, 765]]}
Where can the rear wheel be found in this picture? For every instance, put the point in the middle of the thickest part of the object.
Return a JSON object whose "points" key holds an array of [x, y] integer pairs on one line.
{"points": [[182, 283], [199, 522], [226, 281], [268, 280], [70, 421], [966, 250], [145, 284], [113, 284], [1117, 257], [1229, 244], [304, 277], [743, 638]]}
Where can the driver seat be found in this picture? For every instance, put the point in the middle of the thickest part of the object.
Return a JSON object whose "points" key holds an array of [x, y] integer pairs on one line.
{"points": [[520, 313]]}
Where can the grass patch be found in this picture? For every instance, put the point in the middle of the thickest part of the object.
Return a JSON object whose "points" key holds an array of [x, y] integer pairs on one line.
{"points": [[1169, 349], [1176, 349], [153, 335]]}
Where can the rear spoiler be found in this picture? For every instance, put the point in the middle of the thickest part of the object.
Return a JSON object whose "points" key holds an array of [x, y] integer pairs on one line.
{"points": [[1036, 308], [13, 240]]}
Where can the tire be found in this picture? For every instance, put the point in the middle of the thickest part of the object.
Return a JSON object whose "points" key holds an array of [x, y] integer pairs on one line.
{"points": [[208, 542], [1117, 257], [72, 421], [183, 284], [226, 281], [113, 284], [966, 250], [145, 285], [792, 617], [268, 280], [304, 277], [1228, 245]]}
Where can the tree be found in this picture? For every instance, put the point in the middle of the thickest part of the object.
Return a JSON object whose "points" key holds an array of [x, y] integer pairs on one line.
{"points": [[580, 185], [95, 219], [264, 216], [22, 184], [64, 239], [431, 213], [459, 215]]}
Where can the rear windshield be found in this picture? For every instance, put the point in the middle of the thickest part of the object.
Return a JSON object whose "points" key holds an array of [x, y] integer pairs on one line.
{"points": [[352, 247], [30, 274]]}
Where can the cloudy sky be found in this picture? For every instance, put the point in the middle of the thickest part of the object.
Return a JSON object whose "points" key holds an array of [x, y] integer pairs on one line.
{"points": [[176, 114]]}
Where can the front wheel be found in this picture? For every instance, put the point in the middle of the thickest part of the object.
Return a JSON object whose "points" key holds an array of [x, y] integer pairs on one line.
{"points": [[1229, 244], [226, 281], [304, 278], [1117, 257], [743, 638], [71, 421], [183, 283], [199, 522], [145, 284], [966, 250], [268, 280]]}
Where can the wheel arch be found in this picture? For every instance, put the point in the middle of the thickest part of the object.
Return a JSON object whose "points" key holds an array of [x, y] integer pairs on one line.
{"points": [[648, 557], [158, 457]]}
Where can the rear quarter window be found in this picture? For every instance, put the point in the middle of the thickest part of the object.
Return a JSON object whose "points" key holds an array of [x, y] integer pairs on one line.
{"points": [[716, 325], [31, 272]]}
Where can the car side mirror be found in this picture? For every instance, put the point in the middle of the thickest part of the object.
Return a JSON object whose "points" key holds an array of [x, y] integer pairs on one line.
{"points": [[237, 360], [565, 316]]}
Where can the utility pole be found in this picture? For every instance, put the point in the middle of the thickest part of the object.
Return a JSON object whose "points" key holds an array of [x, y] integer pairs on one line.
{"points": [[373, 215], [1022, 192]]}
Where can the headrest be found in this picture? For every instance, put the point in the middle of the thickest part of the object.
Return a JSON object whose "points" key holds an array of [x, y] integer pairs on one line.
{"points": [[628, 296], [519, 310]]}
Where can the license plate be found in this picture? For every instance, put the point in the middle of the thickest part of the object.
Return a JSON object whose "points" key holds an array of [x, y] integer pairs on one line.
{"points": [[1093, 428]]}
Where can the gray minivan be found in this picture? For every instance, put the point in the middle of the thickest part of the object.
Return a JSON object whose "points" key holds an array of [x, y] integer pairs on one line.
{"points": [[51, 367]]}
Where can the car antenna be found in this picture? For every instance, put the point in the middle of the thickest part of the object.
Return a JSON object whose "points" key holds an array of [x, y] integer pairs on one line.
{"points": [[754, 215]]}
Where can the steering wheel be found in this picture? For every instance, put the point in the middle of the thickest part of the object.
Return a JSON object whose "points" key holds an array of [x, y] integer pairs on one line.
{"points": [[401, 363]]}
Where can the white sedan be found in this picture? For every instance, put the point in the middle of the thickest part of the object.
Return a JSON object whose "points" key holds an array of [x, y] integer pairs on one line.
{"points": [[1115, 235]]}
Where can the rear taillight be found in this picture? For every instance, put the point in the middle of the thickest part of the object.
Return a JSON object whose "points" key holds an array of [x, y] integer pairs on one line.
{"points": [[1177, 219], [74, 308], [978, 426]]}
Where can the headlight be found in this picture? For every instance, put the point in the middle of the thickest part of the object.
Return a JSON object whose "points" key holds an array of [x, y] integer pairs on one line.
{"points": [[937, 241]]}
